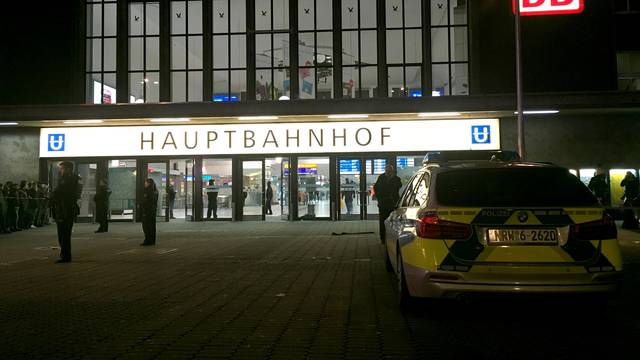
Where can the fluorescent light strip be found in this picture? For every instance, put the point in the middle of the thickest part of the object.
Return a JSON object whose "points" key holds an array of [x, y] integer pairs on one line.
{"points": [[538, 112], [8, 123], [83, 122], [436, 114], [348, 116], [170, 120], [258, 118]]}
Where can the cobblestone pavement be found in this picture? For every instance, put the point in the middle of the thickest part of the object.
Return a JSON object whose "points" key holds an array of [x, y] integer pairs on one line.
{"points": [[274, 291]]}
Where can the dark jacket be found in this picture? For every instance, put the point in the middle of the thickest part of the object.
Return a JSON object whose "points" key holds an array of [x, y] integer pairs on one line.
{"points": [[269, 194], [65, 198], [387, 190], [598, 184], [149, 203], [171, 193], [102, 200], [630, 184]]}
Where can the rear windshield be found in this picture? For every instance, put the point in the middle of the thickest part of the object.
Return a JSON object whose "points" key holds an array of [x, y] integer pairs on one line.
{"points": [[512, 187]]}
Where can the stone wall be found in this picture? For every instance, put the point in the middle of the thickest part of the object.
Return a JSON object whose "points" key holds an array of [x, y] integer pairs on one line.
{"points": [[19, 152]]}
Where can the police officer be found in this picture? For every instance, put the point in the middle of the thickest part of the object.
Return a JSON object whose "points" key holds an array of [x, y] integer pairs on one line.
{"points": [[102, 206], [171, 198], [212, 197], [149, 208], [65, 207], [387, 190], [269, 199]]}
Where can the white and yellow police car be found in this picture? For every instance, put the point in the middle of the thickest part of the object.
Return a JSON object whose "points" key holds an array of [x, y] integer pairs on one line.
{"points": [[499, 226]]}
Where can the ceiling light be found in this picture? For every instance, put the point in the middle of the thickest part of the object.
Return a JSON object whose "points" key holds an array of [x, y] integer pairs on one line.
{"points": [[171, 120], [436, 114], [82, 121], [8, 123], [348, 116], [538, 112], [258, 118]]}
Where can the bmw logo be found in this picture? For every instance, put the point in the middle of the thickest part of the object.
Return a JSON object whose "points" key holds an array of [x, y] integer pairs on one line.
{"points": [[523, 217]]}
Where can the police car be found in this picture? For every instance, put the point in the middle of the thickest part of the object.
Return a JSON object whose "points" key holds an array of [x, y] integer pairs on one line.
{"points": [[499, 226]]}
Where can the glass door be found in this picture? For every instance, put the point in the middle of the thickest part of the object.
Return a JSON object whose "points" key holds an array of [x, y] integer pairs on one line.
{"points": [[314, 188], [276, 206], [122, 183], [158, 171], [217, 194], [252, 190], [350, 199], [373, 168], [180, 189]]}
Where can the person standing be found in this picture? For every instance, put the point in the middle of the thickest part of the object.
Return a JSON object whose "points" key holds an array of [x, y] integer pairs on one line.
{"points": [[65, 207], [212, 199], [269, 199], [171, 198], [348, 195], [102, 206], [631, 188], [599, 186], [387, 190], [149, 208]]}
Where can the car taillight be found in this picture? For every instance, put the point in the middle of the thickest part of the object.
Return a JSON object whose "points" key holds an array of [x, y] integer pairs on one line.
{"points": [[595, 230], [432, 227]]}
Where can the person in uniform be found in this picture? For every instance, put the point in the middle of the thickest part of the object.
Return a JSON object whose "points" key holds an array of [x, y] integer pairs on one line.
{"points": [[65, 207], [269, 199], [102, 206], [149, 208], [387, 192], [212, 197], [171, 199]]}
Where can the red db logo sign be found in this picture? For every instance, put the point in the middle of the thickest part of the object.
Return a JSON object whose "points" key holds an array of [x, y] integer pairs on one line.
{"points": [[548, 7]]}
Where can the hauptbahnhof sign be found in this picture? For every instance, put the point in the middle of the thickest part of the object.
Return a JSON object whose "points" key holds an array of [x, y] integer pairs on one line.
{"points": [[271, 138]]}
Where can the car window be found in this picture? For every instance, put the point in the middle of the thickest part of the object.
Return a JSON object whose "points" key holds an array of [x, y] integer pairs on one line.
{"points": [[422, 191], [408, 192], [408, 201], [535, 187]]}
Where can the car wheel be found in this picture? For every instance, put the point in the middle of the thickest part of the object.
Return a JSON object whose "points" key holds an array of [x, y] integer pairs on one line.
{"points": [[387, 262], [405, 300]]}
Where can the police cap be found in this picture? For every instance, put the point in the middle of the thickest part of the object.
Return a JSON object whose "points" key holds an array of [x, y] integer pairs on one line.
{"points": [[66, 164]]}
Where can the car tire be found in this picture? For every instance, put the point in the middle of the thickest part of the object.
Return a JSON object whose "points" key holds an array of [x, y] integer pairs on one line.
{"points": [[405, 300]]}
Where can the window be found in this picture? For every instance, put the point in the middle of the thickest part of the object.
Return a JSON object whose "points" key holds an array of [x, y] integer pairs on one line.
{"points": [[627, 6], [502, 187], [449, 48], [404, 47], [101, 52], [359, 49], [229, 50], [186, 51], [629, 71], [422, 192], [144, 52], [315, 49], [272, 49]]}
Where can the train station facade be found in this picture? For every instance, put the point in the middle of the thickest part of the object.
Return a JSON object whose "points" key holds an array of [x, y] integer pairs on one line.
{"points": [[313, 98]]}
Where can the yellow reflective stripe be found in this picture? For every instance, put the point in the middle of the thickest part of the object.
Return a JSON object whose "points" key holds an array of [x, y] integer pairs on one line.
{"points": [[524, 253], [461, 215], [611, 250], [581, 215], [425, 254]]}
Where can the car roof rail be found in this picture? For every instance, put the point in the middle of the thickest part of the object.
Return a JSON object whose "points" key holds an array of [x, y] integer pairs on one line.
{"points": [[470, 155]]}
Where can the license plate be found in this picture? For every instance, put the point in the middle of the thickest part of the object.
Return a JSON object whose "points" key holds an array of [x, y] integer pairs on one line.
{"points": [[523, 236]]}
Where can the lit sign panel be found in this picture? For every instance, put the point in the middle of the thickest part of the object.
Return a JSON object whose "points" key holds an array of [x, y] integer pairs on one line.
{"points": [[271, 138], [549, 7]]}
